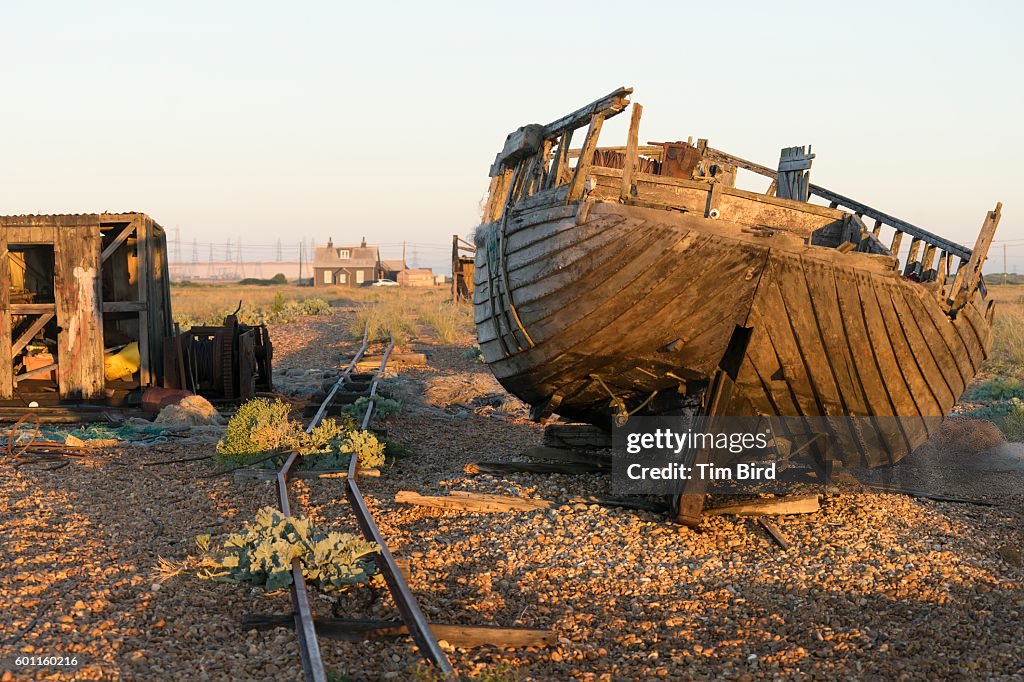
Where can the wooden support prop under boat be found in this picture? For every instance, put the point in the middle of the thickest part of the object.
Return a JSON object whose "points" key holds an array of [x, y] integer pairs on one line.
{"points": [[689, 504]]}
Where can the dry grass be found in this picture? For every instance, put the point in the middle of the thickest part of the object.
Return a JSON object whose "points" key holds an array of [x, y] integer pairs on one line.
{"points": [[1008, 334], [405, 313]]}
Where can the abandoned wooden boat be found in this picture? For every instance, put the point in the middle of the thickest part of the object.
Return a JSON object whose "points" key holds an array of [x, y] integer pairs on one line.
{"points": [[614, 286]]}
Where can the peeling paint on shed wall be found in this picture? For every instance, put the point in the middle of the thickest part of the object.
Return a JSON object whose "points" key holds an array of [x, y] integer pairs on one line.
{"points": [[79, 315]]}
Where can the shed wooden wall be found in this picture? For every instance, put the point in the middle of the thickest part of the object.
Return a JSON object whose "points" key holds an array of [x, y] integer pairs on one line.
{"points": [[132, 263]]}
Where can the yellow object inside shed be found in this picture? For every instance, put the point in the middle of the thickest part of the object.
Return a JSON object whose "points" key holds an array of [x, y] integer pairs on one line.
{"points": [[123, 364]]}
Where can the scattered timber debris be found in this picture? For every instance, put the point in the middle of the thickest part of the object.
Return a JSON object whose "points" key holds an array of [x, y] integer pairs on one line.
{"points": [[562, 454], [475, 502], [463, 636], [774, 532], [576, 436], [460, 500], [369, 363], [571, 468], [764, 506]]}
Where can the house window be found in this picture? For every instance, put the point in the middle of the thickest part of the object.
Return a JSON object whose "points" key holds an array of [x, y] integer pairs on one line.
{"points": [[327, 277], [344, 254], [342, 278], [360, 276]]}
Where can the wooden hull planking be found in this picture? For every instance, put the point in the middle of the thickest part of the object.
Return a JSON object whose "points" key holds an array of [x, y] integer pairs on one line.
{"points": [[601, 291]]}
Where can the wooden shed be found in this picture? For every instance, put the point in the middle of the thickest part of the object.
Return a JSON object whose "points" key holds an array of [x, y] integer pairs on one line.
{"points": [[74, 291]]}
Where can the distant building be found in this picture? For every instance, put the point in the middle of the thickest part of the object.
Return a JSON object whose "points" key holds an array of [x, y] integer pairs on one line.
{"points": [[346, 265], [422, 277], [390, 267]]}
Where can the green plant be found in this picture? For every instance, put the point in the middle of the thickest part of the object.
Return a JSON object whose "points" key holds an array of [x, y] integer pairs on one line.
{"points": [[263, 552], [1000, 388], [366, 446], [281, 311], [261, 427], [277, 306], [1013, 423], [383, 407]]}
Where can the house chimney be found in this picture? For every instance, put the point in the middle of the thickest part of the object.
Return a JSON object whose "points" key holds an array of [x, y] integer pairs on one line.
{"points": [[364, 242]]}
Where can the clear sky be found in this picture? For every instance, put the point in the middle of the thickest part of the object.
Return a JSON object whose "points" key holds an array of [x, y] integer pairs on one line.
{"points": [[255, 121]]}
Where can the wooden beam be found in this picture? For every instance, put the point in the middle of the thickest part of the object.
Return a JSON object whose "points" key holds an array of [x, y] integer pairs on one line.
{"points": [[124, 306], [632, 153], [6, 356], [142, 244], [894, 247], [774, 532], [463, 636], [32, 330], [586, 160], [535, 468], [474, 502], [576, 436], [46, 369], [77, 289], [611, 104], [121, 238], [247, 474], [797, 504], [972, 272], [566, 455], [32, 308]]}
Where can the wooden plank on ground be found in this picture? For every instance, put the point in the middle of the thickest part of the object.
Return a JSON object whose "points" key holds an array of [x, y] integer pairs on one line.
{"points": [[796, 504], [476, 502], [566, 455], [466, 636], [271, 474], [576, 436], [774, 532], [572, 468]]}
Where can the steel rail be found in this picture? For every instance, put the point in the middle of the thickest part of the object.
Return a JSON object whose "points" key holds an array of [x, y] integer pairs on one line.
{"points": [[345, 374], [412, 615], [305, 629]]}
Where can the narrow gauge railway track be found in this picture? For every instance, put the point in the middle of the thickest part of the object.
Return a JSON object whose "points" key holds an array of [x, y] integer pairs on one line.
{"points": [[413, 617]]}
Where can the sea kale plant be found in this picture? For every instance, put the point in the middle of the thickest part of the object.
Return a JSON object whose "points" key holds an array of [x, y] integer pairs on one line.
{"points": [[262, 555], [261, 427]]}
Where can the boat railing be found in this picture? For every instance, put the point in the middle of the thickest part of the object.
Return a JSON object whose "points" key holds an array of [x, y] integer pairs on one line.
{"points": [[953, 282]]}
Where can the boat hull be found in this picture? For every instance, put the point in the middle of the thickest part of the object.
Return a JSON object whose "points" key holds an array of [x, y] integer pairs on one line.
{"points": [[584, 304]]}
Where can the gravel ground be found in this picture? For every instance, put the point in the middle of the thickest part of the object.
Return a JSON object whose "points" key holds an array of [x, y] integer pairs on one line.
{"points": [[877, 586]]}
